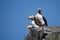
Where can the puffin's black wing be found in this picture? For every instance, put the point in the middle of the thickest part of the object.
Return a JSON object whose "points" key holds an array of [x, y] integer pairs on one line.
{"points": [[45, 20]]}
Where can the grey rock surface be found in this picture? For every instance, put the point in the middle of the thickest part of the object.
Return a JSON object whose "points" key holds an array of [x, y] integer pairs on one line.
{"points": [[55, 35]]}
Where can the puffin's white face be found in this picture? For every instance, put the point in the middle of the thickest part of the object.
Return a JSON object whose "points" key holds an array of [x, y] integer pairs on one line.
{"points": [[31, 17]]}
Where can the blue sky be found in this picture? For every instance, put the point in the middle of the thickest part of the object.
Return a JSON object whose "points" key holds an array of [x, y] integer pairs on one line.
{"points": [[14, 14]]}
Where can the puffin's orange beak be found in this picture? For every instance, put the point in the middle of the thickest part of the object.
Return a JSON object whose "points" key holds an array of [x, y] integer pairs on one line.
{"points": [[29, 27], [28, 18]]}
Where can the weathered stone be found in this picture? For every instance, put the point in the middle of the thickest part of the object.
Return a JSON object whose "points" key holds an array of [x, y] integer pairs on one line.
{"points": [[55, 35]]}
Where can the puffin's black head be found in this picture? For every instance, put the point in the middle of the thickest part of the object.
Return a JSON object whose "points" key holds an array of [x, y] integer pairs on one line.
{"points": [[39, 10]]}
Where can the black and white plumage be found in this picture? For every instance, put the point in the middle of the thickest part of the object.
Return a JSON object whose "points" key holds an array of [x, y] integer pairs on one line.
{"points": [[45, 21], [40, 20], [36, 31]]}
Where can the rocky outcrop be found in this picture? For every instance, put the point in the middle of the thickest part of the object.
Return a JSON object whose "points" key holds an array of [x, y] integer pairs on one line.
{"points": [[55, 35]]}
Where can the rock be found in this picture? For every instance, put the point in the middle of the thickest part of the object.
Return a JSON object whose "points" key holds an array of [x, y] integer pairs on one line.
{"points": [[55, 35]]}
